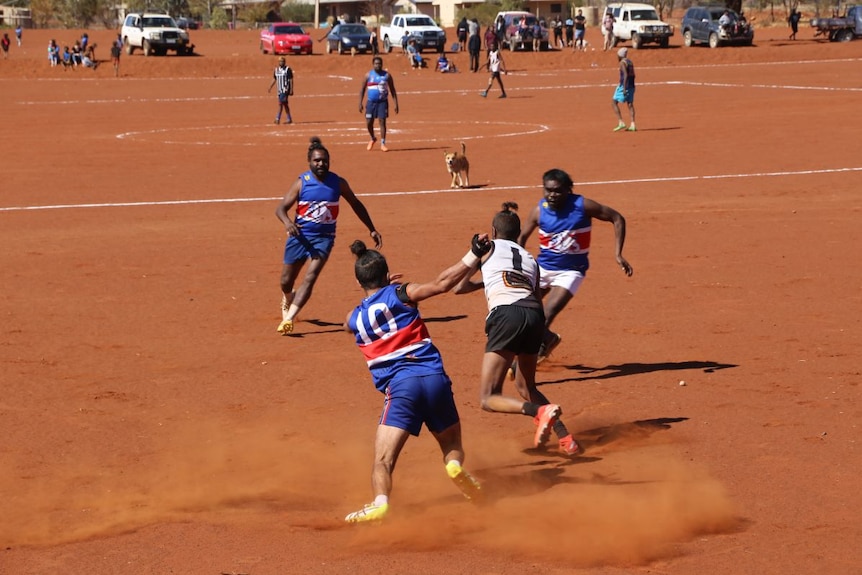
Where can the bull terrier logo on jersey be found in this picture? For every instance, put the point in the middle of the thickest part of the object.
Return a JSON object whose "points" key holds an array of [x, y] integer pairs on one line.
{"points": [[317, 212], [567, 242]]}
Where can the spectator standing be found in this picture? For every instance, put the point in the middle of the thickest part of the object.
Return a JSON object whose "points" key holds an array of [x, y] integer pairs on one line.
{"points": [[18, 32], [580, 31], [499, 31], [474, 46], [116, 51], [557, 25], [4, 43], [608, 29], [53, 53], [490, 38], [793, 19], [570, 31], [462, 31]]}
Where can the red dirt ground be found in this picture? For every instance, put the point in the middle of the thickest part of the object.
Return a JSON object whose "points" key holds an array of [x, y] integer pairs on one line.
{"points": [[154, 422]]}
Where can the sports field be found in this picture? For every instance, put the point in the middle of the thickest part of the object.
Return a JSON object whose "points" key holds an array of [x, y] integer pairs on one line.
{"points": [[154, 422]]}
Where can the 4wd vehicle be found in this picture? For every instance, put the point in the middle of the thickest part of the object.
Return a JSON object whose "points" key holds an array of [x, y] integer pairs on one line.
{"points": [[640, 24], [701, 24], [840, 29], [519, 30], [427, 33], [154, 34]]}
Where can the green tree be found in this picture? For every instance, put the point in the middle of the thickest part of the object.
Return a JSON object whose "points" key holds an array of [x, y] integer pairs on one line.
{"points": [[42, 11], [219, 19]]}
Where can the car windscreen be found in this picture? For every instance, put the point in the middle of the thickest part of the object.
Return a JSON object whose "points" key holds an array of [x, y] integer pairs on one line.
{"points": [[644, 15], [420, 22], [159, 23], [352, 30], [287, 30]]}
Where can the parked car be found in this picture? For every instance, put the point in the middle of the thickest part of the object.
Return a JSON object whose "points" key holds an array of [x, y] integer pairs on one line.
{"points": [[285, 38], [348, 38], [154, 34], [187, 23], [420, 26], [700, 24], [520, 37], [639, 23]]}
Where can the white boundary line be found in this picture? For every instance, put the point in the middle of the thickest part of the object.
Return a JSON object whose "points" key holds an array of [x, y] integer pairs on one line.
{"points": [[438, 191]]}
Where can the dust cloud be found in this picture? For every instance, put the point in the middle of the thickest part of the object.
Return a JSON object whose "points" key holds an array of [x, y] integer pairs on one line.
{"points": [[623, 503]]}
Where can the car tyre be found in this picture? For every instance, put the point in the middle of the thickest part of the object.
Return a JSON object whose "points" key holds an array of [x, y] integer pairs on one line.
{"points": [[129, 48], [713, 40], [328, 47], [262, 48], [340, 48], [636, 41], [844, 36], [145, 47], [687, 40], [664, 42]]}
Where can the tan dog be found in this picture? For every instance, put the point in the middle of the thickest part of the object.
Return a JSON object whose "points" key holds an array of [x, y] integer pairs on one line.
{"points": [[458, 165]]}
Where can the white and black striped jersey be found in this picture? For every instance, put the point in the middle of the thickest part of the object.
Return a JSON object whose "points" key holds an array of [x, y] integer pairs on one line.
{"points": [[283, 79]]}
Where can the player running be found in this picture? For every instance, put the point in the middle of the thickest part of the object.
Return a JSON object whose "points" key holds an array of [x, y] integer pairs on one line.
{"points": [[408, 369], [514, 326]]}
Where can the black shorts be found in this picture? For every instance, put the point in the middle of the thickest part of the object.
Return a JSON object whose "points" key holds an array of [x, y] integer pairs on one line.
{"points": [[515, 328]]}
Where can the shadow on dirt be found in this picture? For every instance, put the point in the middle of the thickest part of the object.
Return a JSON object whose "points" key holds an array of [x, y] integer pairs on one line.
{"points": [[625, 369], [538, 475]]}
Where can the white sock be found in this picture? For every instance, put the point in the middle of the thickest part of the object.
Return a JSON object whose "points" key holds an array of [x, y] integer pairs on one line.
{"points": [[381, 500]]}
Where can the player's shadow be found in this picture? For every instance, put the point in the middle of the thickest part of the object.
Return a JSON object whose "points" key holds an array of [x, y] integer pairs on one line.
{"points": [[538, 475], [626, 369]]}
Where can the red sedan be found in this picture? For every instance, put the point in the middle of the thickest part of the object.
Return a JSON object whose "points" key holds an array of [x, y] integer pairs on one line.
{"points": [[285, 38]]}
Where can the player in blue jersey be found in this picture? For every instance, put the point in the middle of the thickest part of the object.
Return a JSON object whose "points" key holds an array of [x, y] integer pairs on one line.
{"points": [[378, 83], [407, 368], [564, 219], [311, 234]]}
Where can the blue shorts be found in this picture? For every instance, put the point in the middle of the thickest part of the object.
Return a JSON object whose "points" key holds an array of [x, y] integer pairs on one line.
{"points": [[418, 399], [579, 34], [379, 109], [302, 247], [627, 96], [282, 98]]}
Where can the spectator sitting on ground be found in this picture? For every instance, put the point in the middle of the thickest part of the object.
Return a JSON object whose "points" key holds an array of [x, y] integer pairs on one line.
{"points": [[444, 65], [88, 58]]}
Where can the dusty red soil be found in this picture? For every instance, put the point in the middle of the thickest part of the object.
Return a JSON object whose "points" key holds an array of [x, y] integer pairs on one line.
{"points": [[154, 422]]}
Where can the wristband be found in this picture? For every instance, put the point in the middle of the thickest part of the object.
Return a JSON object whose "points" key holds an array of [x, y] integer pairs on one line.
{"points": [[470, 259]]}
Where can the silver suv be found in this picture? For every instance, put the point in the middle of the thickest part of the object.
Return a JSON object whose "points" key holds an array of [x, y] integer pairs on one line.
{"points": [[154, 34]]}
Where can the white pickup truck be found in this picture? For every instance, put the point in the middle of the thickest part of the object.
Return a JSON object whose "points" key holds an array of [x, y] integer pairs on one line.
{"points": [[640, 24], [419, 26]]}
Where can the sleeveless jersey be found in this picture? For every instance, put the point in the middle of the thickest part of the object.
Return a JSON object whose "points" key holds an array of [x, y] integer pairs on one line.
{"points": [[317, 205], [378, 86], [283, 79], [494, 61], [564, 236], [393, 338], [630, 68], [510, 275]]}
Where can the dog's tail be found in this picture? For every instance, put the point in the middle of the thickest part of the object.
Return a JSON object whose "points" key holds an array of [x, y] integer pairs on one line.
{"points": [[463, 148]]}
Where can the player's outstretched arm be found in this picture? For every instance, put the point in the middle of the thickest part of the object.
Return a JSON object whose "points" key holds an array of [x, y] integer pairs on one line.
{"points": [[450, 277], [608, 214]]}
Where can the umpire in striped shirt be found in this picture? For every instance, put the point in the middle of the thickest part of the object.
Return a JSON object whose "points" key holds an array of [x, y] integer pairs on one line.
{"points": [[283, 77]]}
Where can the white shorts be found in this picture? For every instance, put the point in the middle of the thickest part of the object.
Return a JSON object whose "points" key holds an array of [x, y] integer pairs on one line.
{"points": [[569, 280]]}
